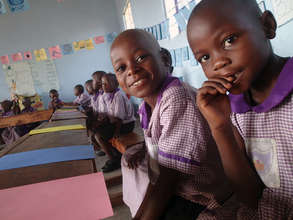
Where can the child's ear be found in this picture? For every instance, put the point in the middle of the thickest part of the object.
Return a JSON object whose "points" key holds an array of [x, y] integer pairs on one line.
{"points": [[269, 24]]}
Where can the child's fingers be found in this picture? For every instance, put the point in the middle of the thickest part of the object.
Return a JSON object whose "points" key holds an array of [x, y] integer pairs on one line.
{"points": [[216, 85], [224, 82]]}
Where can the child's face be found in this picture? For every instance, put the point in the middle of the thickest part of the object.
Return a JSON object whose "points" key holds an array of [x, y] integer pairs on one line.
{"points": [[76, 92], [89, 88], [54, 96], [27, 103], [97, 82], [106, 85], [138, 65], [6, 106], [228, 43]]}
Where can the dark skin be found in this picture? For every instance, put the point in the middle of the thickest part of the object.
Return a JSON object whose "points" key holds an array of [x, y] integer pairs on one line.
{"points": [[76, 93], [54, 98], [140, 71], [235, 53]]}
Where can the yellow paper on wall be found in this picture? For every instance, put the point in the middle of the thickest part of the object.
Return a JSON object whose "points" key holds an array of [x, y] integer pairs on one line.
{"points": [[40, 54], [89, 44], [57, 128], [76, 46]]}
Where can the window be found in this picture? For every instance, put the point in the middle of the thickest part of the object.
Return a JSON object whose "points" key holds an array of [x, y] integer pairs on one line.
{"points": [[171, 8], [127, 16]]}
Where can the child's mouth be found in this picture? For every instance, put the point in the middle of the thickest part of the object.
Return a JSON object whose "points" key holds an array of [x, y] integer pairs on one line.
{"points": [[138, 83]]}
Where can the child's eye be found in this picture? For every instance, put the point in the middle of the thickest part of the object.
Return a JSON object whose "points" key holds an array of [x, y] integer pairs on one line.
{"points": [[204, 58], [120, 69], [229, 41]]}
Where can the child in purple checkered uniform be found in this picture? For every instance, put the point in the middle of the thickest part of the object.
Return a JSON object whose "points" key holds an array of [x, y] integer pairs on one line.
{"points": [[252, 125], [177, 173]]}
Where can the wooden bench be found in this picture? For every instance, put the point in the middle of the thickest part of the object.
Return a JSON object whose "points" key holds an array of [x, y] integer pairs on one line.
{"points": [[26, 118], [126, 141]]}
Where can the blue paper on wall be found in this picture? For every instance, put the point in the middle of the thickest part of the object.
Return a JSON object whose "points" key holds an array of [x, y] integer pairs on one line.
{"points": [[191, 5], [155, 32], [165, 29], [159, 32], [173, 57], [111, 37], [178, 55], [180, 21], [185, 53], [185, 12], [193, 61], [46, 156], [18, 5], [2, 7], [67, 49]]}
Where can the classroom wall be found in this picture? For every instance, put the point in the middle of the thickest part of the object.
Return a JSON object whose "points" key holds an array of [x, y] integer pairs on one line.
{"points": [[48, 23], [148, 13]]}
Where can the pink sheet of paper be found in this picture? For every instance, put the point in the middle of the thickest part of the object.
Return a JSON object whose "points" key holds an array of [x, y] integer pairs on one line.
{"points": [[76, 198], [55, 52], [5, 59], [99, 39], [27, 55], [16, 57]]}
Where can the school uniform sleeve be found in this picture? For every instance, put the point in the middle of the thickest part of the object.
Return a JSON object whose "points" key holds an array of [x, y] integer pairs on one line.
{"points": [[184, 135], [119, 108]]}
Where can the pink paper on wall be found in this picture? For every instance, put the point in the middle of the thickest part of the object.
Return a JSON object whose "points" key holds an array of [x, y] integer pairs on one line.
{"points": [[16, 57], [5, 59], [76, 198], [99, 39], [55, 52], [27, 55]]}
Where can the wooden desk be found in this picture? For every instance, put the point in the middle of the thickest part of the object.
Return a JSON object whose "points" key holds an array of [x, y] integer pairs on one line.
{"points": [[46, 172], [67, 115]]}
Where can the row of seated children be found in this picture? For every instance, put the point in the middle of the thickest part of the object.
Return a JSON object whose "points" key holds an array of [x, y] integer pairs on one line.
{"points": [[209, 155], [11, 108]]}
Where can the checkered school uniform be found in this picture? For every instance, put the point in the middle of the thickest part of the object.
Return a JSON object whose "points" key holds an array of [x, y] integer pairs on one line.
{"points": [[178, 137], [9, 135], [267, 130], [119, 106], [83, 100], [97, 102]]}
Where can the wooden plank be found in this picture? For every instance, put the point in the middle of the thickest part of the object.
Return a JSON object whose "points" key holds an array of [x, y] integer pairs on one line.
{"points": [[45, 172], [26, 118], [67, 115]]}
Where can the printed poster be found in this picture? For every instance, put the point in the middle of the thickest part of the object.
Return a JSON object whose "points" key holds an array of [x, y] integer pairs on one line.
{"points": [[89, 44], [40, 54], [27, 55], [5, 59], [2, 7], [67, 49], [55, 52], [16, 57], [18, 5], [283, 11], [99, 39]]}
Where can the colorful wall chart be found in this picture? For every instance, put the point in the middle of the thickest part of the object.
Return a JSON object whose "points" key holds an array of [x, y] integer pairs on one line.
{"points": [[18, 5]]}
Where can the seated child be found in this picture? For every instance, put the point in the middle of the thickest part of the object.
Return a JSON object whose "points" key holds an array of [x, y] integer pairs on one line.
{"points": [[167, 59], [24, 129], [178, 172], [82, 99], [121, 120], [55, 102], [9, 135], [253, 125]]}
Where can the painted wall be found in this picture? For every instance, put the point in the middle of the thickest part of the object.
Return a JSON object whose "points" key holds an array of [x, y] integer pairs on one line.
{"points": [[48, 23], [148, 13]]}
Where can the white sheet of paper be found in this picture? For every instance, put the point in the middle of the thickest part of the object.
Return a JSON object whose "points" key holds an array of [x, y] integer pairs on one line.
{"points": [[283, 10]]}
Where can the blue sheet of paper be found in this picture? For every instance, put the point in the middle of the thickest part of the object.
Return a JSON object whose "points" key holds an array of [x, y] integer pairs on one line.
{"points": [[159, 32], [180, 21], [2, 7], [185, 53], [165, 29], [18, 5], [193, 61], [172, 52], [191, 5], [178, 54], [185, 12], [67, 49], [155, 32], [45, 156], [111, 37]]}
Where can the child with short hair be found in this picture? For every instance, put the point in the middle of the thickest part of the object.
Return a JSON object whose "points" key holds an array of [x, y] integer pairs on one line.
{"points": [[82, 99], [252, 125], [178, 173], [9, 135], [55, 102], [121, 120], [167, 59]]}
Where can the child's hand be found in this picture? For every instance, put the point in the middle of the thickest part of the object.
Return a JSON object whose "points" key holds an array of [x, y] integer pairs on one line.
{"points": [[135, 160], [214, 103]]}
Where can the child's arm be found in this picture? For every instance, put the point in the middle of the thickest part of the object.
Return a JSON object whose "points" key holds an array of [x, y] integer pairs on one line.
{"points": [[158, 195], [215, 106], [118, 124]]}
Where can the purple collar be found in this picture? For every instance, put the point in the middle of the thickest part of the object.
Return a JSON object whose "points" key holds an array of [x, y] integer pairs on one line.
{"points": [[282, 89], [100, 92], [145, 109], [110, 96]]}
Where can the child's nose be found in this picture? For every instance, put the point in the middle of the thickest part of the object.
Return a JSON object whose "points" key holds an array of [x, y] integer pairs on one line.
{"points": [[221, 63]]}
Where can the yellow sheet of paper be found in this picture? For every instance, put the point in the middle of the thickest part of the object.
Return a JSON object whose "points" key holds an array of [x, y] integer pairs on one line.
{"points": [[40, 54], [76, 46], [89, 44], [58, 128]]}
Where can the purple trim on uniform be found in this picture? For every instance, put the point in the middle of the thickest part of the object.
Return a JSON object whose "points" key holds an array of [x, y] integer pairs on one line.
{"points": [[178, 158], [110, 95], [145, 109], [282, 89], [30, 109], [7, 114]]}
